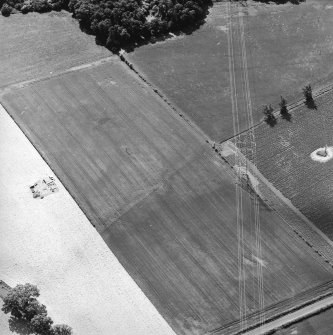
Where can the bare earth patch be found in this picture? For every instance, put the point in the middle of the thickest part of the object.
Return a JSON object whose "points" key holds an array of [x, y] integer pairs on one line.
{"points": [[51, 243], [322, 155]]}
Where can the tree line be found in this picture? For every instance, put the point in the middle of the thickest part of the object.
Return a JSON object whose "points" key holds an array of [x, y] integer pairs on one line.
{"points": [[284, 112], [116, 23]]}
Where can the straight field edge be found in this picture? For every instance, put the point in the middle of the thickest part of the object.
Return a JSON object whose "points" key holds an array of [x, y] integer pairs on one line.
{"points": [[276, 311]]}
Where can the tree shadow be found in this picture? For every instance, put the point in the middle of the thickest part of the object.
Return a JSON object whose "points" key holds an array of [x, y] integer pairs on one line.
{"points": [[271, 121], [310, 104], [19, 326], [286, 116]]}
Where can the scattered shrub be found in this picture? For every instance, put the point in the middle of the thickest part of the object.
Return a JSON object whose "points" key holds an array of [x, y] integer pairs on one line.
{"points": [[62, 330], [41, 324], [284, 109], [26, 8], [309, 102], [269, 115], [40, 6], [6, 10]]}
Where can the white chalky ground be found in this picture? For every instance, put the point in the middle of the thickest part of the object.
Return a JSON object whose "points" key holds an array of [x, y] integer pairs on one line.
{"points": [[49, 242], [322, 158]]}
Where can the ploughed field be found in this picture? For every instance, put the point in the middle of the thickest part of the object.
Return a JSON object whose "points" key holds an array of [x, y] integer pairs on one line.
{"points": [[161, 199], [283, 157], [287, 46]]}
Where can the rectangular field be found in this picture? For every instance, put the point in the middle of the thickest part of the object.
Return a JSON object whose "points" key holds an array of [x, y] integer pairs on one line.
{"points": [[161, 200], [283, 157], [37, 45], [193, 70]]}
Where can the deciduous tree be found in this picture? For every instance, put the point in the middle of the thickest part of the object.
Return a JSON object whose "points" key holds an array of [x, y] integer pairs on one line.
{"points": [[284, 109], [62, 330], [269, 115], [41, 324], [21, 302]]}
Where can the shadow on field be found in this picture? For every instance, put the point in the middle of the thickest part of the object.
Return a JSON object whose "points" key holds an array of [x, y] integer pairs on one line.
{"points": [[286, 116], [310, 104]]}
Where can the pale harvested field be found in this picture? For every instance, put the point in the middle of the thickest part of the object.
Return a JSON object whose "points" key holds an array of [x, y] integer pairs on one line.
{"points": [[51, 243], [36, 45], [162, 201]]}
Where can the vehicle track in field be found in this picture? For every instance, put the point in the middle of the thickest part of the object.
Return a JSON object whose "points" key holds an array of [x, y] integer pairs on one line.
{"points": [[242, 108]]}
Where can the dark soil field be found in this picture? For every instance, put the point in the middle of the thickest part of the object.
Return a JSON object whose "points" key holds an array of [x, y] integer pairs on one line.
{"points": [[36, 45], [161, 199], [283, 157], [287, 47], [320, 324]]}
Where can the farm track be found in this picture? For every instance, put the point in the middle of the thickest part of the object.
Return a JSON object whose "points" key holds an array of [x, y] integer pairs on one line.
{"points": [[282, 313], [241, 105], [295, 316]]}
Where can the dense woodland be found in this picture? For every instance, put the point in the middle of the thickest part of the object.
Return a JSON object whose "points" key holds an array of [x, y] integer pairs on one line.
{"points": [[117, 23], [122, 22]]}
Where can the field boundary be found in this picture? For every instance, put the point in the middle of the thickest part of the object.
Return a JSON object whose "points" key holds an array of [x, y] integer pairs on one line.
{"points": [[5, 88], [305, 312], [298, 222], [158, 91], [292, 107], [278, 310], [46, 160]]}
